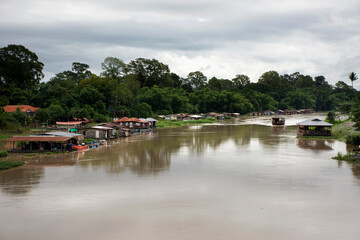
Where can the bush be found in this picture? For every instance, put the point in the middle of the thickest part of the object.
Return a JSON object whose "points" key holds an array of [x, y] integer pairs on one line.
{"points": [[3, 153], [353, 139], [7, 164], [330, 117]]}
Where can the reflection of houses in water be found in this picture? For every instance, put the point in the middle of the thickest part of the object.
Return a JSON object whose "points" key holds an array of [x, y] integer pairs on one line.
{"points": [[278, 129], [21, 180], [315, 144]]}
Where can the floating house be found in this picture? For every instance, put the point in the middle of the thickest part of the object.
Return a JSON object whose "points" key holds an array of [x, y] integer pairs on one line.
{"points": [[133, 123], [194, 117], [254, 114], [314, 127], [211, 115], [152, 121], [170, 117], [279, 112], [39, 143], [267, 113], [98, 132]]}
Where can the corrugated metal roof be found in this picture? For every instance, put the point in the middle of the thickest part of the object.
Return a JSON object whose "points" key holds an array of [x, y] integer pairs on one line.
{"points": [[37, 139], [63, 134], [102, 128], [148, 119], [314, 122]]}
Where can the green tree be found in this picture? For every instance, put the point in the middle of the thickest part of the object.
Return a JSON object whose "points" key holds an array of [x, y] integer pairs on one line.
{"points": [[56, 112], [42, 115], [299, 99], [197, 80], [150, 72], [113, 68], [80, 71], [241, 80], [21, 117], [352, 77], [90, 95], [20, 67]]}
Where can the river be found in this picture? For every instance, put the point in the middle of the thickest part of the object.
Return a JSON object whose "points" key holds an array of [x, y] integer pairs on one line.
{"points": [[241, 179]]}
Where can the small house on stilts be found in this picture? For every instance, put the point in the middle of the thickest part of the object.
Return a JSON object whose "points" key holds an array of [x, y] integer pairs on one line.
{"points": [[314, 127]]}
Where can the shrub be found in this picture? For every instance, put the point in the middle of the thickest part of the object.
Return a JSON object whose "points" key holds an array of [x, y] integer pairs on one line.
{"points": [[3, 153], [7, 164], [353, 139], [330, 117]]}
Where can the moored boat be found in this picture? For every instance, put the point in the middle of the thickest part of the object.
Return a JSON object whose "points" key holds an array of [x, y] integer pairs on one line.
{"points": [[80, 147], [278, 121]]}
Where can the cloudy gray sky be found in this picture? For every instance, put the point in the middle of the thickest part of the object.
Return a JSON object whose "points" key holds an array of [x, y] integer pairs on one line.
{"points": [[221, 38]]}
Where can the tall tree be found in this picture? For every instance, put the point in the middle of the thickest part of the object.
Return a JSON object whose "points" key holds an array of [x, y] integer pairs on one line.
{"points": [[20, 67], [352, 77], [241, 80], [150, 72], [113, 68], [197, 80], [80, 71]]}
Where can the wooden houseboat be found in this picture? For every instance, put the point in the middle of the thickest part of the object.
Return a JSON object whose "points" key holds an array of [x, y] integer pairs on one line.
{"points": [[314, 127], [278, 121]]}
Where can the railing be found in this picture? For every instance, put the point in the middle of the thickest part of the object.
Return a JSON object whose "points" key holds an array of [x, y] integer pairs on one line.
{"points": [[322, 132]]}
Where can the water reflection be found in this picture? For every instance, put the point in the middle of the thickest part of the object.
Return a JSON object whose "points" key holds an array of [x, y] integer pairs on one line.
{"points": [[313, 144], [140, 156], [150, 155], [21, 180]]}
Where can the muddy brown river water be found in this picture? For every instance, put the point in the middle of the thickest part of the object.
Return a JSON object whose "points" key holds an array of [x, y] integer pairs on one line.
{"points": [[236, 180]]}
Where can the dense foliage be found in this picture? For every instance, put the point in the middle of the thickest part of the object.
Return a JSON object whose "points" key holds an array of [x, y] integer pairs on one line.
{"points": [[146, 87], [9, 164]]}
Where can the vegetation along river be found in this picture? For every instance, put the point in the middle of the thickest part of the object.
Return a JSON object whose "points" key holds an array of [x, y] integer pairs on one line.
{"points": [[242, 179]]}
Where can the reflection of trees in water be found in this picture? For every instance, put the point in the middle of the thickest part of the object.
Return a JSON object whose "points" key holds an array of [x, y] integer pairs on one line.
{"points": [[315, 144], [145, 156], [21, 180], [355, 167], [141, 157]]}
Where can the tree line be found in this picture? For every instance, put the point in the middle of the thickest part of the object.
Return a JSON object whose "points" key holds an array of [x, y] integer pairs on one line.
{"points": [[147, 87]]}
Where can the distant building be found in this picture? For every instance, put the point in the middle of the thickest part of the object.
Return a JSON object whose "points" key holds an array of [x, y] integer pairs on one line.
{"points": [[29, 110]]}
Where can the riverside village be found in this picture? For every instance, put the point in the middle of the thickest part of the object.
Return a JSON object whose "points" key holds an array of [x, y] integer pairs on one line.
{"points": [[80, 134]]}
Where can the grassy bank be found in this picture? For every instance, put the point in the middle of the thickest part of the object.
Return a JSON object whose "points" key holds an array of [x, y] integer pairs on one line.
{"points": [[349, 157], [8, 164], [174, 123]]}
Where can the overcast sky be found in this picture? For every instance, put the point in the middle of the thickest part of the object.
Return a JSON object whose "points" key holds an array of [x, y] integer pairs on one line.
{"points": [[221, 38]]}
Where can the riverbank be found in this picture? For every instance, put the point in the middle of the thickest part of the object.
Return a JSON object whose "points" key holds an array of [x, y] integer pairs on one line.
{"points": [[4, 165], [174, 123]]}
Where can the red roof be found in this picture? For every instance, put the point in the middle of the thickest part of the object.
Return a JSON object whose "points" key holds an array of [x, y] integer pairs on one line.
{"points": [[37, 139], [23, 108], [69, 123], [126, 119]]}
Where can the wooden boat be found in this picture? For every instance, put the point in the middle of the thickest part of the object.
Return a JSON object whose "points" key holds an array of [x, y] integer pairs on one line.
{"points": [[278, 121], [80, 147]]}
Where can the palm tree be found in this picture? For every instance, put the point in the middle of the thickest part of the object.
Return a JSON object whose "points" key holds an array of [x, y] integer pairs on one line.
{"points": [[352, 78]]}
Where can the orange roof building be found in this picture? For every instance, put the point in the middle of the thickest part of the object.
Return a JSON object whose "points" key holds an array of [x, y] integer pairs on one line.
{"points": [[23, 108]]}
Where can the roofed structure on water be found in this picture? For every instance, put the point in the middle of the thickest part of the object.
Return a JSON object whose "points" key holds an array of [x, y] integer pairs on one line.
{"points": [[314, 127]]}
